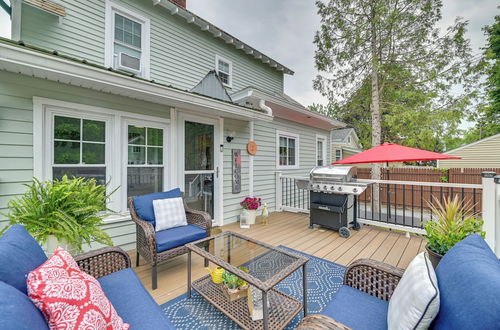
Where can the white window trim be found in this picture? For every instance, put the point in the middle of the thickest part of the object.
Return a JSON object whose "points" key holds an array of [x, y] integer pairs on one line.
{"points": [[341, 154], [43, 108], [220, 58], [112, 8], [297, 150], [323, 139]]}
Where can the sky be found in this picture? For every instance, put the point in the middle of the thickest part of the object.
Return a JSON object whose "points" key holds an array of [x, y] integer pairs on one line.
{"points": [[284, 30]]}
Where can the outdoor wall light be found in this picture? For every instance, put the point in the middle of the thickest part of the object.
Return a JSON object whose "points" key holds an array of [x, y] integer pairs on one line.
{"points": [[230, 137]]}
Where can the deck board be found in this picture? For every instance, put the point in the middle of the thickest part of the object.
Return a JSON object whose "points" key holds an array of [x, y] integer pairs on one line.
{"points": [[291, 230]]}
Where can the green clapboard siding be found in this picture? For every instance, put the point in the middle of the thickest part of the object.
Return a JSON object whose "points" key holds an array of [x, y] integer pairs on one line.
{"points": [[181, 54]]}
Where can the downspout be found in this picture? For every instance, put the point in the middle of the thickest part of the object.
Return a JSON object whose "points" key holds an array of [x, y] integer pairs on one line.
{"points": [[263, 106]]}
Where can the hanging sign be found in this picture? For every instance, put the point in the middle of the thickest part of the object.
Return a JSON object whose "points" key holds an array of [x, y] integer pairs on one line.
{"points": [[236, 177]]}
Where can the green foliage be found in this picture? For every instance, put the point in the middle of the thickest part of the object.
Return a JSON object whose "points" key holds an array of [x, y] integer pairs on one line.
{"points": [[454, 221], [418, 69], [232, 281], [69, 209]]}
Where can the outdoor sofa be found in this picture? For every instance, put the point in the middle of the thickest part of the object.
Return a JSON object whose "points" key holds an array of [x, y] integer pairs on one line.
{"points": [[20, 254], [468, 278]]}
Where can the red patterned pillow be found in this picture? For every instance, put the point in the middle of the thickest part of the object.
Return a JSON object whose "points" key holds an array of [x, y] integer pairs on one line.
{"points": [[70, 298]]}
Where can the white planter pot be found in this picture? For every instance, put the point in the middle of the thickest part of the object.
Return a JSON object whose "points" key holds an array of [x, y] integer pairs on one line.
{"points": [[251, 216], [52, 243]]}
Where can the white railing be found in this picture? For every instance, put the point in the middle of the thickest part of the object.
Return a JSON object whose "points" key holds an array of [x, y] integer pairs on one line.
{"points": [[405, 205]]}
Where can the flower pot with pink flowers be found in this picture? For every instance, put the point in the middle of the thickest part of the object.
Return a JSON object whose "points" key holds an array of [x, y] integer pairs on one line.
{"points": [[250, 206]]}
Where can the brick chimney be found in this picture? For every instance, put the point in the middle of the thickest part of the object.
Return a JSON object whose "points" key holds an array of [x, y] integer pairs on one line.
{"points": [[180, 3]]}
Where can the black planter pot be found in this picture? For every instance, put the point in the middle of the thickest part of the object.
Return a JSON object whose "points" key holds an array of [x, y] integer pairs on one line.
{"points": [[434, 257]]}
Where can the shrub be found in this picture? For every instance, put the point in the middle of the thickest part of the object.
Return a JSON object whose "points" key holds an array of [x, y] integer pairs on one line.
{"points": [[69, 209], [454, 221]]}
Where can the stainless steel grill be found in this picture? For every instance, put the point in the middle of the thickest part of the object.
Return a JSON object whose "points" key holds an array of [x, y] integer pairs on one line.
{"points": [[333, 191]]}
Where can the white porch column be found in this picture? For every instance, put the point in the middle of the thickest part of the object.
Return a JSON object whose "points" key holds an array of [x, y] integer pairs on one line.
{"points": [[250, 162], [489, 208], [497, 215], [278, 194]]}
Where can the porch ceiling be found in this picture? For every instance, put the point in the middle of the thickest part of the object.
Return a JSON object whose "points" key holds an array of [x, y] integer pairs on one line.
{"points": [[40, 63]]}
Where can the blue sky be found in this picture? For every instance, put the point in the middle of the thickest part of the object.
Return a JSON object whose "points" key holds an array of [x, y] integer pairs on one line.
{"points": [[284, 30]]}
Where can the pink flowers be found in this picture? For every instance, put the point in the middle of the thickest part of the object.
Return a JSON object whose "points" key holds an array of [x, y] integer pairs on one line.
{"points": [[251, 203]]}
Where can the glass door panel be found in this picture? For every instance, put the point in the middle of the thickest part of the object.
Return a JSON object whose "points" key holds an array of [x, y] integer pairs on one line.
{"points": [[199, 192]]}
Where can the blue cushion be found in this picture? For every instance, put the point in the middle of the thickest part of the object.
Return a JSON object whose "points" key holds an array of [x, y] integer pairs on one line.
{"points": [[144, 204], [17, 311], [357, 310], [132, 302], [178, 236], [19, 255], [469, 285]]}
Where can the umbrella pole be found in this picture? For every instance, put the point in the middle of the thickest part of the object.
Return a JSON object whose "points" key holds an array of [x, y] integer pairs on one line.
{"points": [[388, 193]]}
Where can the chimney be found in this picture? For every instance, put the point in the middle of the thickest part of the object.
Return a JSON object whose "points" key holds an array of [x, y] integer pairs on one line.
{"points": [[180, 3]]}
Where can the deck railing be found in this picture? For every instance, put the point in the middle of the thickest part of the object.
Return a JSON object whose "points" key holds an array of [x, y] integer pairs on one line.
{"points": [[401, 205]]}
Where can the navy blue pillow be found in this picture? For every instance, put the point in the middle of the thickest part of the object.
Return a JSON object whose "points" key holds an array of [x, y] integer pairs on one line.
{"points": [[144, 204], [17, 311], [19, 255], [469, 287]]}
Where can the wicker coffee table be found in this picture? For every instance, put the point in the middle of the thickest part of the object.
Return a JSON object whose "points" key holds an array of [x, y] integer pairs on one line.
{"points": [[267, 266]]}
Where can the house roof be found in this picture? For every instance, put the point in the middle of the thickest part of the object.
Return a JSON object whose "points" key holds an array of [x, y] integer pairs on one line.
{"points": [[341, 134], [212, 86], [473, 143], [217, 32]]}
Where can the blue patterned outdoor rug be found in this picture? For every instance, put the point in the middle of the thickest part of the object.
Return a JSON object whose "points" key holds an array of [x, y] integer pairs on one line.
{"points": [[324, 278]]}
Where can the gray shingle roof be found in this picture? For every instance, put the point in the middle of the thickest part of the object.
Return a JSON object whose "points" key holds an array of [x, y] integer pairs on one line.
{"points": [[341, 134]]}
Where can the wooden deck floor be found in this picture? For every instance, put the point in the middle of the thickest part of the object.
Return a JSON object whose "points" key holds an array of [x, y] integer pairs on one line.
{"points": [[290, 229]]}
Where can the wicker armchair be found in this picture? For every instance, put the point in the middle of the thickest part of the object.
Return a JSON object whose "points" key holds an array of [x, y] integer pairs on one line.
{"points": [[370, 276], [102, 262], [146, 238]]}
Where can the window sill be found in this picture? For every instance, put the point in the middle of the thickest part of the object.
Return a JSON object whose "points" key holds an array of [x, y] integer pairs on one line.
{"points": [[284, 167], [115, 218]]}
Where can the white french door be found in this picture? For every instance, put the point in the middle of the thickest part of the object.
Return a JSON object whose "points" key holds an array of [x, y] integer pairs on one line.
{"points": [[200, 171]]}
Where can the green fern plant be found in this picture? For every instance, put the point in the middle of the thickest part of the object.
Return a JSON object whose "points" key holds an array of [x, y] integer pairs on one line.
{"points": [[454, 221], [69, 209]]}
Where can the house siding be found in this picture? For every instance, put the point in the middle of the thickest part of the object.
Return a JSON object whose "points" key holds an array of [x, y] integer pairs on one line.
{"points": [[480, 155], [16, 135], [181, 54]]}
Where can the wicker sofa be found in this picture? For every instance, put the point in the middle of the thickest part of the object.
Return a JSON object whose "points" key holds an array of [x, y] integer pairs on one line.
{"points": [[20, 254], [469, 284], [156, 247]]}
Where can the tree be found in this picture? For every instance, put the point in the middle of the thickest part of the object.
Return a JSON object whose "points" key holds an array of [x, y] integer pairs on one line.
{"points": [[387, 70], [487, 116]]}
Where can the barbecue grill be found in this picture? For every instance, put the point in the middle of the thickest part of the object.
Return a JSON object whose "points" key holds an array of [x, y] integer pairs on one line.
{"points": [[333, 197]]}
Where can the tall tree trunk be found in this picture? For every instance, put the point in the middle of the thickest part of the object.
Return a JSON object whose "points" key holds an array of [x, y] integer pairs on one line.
{"points": [[375, 107]]}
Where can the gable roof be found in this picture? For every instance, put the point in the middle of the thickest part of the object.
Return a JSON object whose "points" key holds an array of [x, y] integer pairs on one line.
{"points": [[212, 86], [472, 144], [217, 32], [341, 134]]}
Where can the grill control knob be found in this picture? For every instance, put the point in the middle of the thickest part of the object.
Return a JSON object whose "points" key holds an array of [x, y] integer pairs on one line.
{"points": [[332, 187], [318, 186], [355, 190], [340, 188], [325, 187]]}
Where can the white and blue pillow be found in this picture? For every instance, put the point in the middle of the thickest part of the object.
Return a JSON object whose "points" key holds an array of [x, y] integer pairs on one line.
{"points": [[169, 213]]}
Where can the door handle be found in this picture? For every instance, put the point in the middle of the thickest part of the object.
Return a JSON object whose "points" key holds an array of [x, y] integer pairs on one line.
{"points": [[217, 172]]}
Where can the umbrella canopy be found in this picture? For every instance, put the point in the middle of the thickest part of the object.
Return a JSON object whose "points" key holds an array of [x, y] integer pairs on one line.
{"points": [[390, 152]]}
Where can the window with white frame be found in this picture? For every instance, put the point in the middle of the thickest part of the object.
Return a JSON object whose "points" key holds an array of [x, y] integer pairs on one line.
{"points": [[145, 164], [127, 44], [79, 148], [320, 150], [224, 70], [338, 154], [287, 150]]}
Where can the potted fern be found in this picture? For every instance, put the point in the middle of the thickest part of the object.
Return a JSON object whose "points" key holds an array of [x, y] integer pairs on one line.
{"points": [[454, 221], [65, 212]]}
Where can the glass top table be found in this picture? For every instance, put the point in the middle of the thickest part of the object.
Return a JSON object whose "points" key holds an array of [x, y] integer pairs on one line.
{"points": [[267, 267]]}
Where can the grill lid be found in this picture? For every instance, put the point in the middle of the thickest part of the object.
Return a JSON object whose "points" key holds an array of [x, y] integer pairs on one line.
{"points": [[332, 173]]}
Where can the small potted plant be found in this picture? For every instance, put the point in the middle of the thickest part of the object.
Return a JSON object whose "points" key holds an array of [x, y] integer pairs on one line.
{"points": [[454, 221], [234, 287], [65, 212], [250, 206]]}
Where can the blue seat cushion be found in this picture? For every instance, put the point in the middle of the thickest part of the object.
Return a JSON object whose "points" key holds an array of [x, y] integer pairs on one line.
{"points": [[357, 310], [469, 286], [178, 236], [19, 254], [144, 204], [132, 302], [17, 311]]}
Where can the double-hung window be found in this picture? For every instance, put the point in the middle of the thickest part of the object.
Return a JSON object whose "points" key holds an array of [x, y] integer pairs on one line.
{"points": [[145, 161], [338, 154], [127, 44], [320, 150], [224, 69], [79, 148], [287, 150]]}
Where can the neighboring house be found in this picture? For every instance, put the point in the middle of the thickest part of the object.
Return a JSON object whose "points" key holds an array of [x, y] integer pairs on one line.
{"points": [[480, 154], [344, 143], [147, 96]]}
